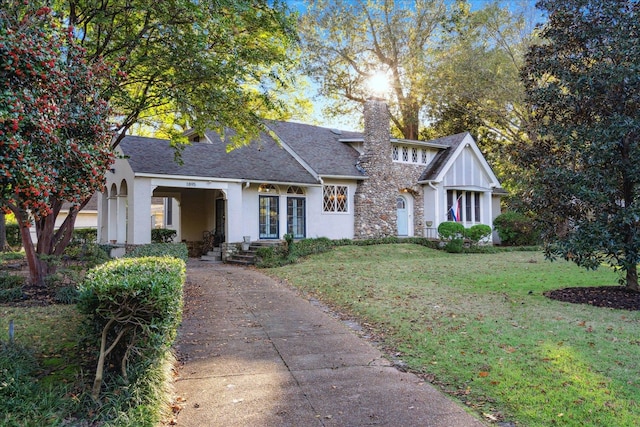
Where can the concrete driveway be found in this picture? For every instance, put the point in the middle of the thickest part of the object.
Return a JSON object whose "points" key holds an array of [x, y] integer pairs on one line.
{"points": [[255, 353]]}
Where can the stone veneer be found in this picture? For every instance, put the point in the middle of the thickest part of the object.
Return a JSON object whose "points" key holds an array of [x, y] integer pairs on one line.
{"points": [[375, 198]]}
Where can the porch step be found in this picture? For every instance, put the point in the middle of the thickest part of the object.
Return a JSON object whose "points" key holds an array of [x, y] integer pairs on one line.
{"points": [[212, 256], [249, 257]]}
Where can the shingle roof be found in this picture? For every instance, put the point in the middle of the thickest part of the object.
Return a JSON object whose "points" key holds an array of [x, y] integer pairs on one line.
{"points": [[263, 160], [440, 160], [320, 147]]}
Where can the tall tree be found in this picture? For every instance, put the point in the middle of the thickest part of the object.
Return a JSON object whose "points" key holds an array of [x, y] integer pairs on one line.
{"points": [[583, 86], [55, 141], [208, 64], [478, 82], [347, 42]]}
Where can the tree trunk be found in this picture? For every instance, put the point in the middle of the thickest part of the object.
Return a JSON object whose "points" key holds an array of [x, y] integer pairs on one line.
{"points": [[632, 278], [36, 265]]}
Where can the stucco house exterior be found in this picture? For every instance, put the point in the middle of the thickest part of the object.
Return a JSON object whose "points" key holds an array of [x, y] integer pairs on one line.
{"points": [[306, 180]]}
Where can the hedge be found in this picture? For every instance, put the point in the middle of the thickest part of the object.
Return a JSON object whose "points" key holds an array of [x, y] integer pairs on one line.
{"points": [[134, 307], [175, 250]]}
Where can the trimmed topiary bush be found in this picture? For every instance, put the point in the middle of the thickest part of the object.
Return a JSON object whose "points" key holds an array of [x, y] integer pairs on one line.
{"points": [[477, 232], [135, 307], [450, 230]]}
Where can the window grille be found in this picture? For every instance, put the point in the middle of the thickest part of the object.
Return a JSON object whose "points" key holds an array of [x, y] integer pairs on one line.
{"points": [[405, 154], [295, 190], [335, 198], [414, 155]]}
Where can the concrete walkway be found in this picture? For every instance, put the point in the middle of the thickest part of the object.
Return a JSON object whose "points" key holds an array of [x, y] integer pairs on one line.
{"points": [[254, 353]]}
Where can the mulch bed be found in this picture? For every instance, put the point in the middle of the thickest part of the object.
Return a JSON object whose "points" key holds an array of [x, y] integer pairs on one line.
{"points": [[603, 296]]}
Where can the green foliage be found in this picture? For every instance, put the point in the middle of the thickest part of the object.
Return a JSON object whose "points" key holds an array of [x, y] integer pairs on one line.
{"points": [[10, 287], [488, 103], [84, 235], [276, 257], [11, 256], [67, 295], [224, 64], [54, 127], [477, 232], [454, 246], [175, 250], [516, 229], [163, 235], [90, 254], [13, 235], [449, 230], [135, 305], [345, 42], [583, 85]]}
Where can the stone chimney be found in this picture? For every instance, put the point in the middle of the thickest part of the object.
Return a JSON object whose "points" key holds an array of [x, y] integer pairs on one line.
{"points": [[375, 198]]}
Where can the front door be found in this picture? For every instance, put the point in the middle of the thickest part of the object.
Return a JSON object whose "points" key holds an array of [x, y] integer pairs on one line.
{"points": [[403, 216], [220, 222], [296, 216], [269, 217]]}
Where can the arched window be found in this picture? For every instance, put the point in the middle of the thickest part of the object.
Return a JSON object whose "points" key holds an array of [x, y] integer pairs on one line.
{"points": [[268, 188], [294, 189]]}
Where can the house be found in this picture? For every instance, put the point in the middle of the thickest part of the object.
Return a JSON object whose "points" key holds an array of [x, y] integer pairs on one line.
{"points": [[301, 179]]}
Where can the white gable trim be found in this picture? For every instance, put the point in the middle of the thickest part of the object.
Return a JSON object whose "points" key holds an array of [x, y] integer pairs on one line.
{"points": [[468, 141]]}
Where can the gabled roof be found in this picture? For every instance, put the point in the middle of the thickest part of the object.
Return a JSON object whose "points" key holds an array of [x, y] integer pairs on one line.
{"points": [[320, 147], [302, 154], [442, 158], [317, 152]]}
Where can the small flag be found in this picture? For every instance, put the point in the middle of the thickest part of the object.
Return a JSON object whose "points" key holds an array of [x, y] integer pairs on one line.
{"points": [[455, 210]]}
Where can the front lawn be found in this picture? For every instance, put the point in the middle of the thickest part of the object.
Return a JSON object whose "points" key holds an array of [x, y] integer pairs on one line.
{"points": [[479, 328]]}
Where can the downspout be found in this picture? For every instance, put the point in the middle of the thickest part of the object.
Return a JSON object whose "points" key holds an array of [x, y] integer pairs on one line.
{"points": [[436, 208]]}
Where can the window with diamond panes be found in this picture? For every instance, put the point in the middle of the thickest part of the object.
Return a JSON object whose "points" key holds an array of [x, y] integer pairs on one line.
{"points": [[335, 198], [414, 155], [395, 154], [424, 156], [405, 154]]}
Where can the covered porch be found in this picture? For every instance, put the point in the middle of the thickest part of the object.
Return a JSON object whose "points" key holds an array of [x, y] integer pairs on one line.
{"points": [[195, 208]]}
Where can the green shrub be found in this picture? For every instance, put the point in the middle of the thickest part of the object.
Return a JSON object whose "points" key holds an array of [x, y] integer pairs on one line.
{"points": [[450, 230], [84, 235], [10, 287], [13, 235], [516, 229], [136, 304], [67, 295], [477, 232], [90, 254], [175, 250], [8, 281], [454, 246], [163, 235], [11, 256]]}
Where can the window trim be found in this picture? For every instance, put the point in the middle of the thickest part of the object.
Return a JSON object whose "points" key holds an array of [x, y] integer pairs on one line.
{"points": [[333, 188]]}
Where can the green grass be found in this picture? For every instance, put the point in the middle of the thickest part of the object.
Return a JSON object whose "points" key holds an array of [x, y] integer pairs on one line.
{"points": [[39, 370], [478, 326]]}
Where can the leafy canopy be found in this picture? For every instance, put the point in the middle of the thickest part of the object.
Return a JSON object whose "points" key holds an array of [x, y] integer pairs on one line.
{"points": [[177, 64]]}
